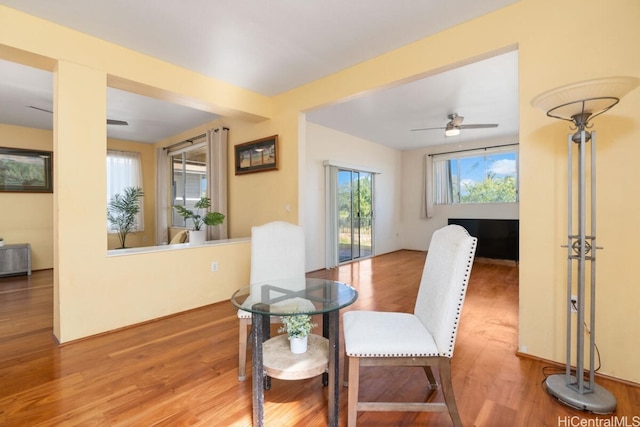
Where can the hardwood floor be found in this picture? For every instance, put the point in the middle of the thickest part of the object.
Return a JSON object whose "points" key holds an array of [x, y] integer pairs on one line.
{"points": [[181, 370]]}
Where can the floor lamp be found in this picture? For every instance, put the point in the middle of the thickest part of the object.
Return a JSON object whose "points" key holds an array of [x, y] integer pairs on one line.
{"points": [[579, 103]]}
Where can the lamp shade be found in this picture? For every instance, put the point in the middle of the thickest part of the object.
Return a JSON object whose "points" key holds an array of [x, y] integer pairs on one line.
{"points": [[590, 96]]}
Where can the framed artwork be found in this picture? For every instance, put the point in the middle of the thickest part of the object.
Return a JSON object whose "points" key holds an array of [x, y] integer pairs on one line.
{"points": [[26, 171], [257, 156]]}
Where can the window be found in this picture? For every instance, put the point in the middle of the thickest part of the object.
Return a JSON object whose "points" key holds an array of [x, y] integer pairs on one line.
{"points": [[189, 180], [124, 170], [476, 176]]}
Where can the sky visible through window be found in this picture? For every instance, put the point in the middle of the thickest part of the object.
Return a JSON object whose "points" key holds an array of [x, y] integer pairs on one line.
{"points": [[476, 169]]}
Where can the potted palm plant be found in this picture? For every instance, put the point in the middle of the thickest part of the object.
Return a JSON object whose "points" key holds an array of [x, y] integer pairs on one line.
{"points": [[200, 217], [298, 327], [122, 212]]}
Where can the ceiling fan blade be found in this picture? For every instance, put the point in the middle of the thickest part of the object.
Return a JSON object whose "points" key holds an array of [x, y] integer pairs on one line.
{"points": [[415, 130], [109, 121], [481, 126], [40, 109]]}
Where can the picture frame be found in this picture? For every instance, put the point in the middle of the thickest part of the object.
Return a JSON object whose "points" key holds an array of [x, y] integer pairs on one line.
{"points": [[26, 171], [257, 156]]}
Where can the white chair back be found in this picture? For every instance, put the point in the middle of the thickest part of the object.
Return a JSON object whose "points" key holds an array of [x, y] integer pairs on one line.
{"points": [[277, 252], [444, 284]]}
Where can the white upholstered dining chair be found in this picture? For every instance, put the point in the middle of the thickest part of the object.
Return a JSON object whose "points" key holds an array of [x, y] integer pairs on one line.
{"points": [[423, 338], [277, 253]]}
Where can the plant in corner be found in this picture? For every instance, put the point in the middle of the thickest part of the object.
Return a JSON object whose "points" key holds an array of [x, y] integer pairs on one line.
{"points": [[198, 218], [122, 211]]}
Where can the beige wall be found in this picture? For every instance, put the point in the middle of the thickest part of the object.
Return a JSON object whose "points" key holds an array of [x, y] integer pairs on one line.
{"points": [[327, 144], [558, 43]]}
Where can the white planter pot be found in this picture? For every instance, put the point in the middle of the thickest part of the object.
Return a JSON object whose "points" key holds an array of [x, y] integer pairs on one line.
{"points": [[197, 237], [298, 345]]}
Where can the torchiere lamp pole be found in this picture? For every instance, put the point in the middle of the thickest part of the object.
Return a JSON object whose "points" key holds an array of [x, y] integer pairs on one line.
{"points": [[579, 103]]}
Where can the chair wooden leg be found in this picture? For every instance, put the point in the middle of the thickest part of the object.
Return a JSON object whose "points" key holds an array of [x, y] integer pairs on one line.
{"points": [[447, 391], [433, 384], [345, 371], [354, 384], [242, 348]]}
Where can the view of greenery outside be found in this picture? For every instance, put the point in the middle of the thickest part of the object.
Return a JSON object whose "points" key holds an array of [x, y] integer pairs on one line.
{"points": [[492, 190], [490, 178], [354, 214]]}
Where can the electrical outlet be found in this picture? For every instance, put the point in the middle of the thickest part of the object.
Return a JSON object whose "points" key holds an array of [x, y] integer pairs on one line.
{"points": [[574, 304], [214, 266]]}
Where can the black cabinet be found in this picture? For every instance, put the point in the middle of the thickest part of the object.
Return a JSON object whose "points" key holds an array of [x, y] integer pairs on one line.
{"points": [[497, 238]]}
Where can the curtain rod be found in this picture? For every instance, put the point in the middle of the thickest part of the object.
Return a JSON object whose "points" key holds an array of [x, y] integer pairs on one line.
{"points": [[190, 140], [168, 147], [472, 149]]}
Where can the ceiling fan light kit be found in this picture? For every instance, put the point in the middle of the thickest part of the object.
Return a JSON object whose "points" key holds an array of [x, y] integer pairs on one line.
{"points": [[454, 126], [452, 131], [579, 103]]}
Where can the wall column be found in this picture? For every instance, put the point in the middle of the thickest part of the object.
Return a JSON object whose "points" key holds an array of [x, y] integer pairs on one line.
{"points": [[79, 206]]}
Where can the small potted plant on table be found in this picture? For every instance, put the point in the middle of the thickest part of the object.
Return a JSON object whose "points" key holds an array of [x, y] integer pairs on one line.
{"points": [[298, 327]]}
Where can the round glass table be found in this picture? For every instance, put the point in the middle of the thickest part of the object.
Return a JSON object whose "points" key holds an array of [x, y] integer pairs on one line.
{"points": [[287, 297]]}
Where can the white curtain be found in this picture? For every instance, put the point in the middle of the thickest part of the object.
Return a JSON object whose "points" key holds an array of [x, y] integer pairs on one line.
{"points": [[427, 212], [124, 170], [162, 197], [331, 215], [217, 179], [443, 192]]}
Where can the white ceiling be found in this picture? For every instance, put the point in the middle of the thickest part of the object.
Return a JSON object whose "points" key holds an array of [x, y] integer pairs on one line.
{"points": [[270, 47]]}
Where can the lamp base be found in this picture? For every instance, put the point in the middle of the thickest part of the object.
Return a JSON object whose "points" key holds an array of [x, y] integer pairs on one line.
{"points": [[598, 400]]}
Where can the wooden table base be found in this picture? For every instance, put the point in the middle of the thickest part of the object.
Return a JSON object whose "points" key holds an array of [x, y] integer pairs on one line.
{"points": [[279, 362]]}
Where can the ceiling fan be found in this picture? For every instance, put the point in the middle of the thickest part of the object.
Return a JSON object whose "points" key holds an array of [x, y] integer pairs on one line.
{"points": [[455, 125], [109, 121]]}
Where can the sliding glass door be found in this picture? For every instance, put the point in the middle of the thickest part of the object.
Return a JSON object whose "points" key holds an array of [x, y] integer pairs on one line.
{"points": [[355, 214]]}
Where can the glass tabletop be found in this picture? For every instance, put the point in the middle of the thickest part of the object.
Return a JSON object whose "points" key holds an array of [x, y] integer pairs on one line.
{"points": [[294, 296]]}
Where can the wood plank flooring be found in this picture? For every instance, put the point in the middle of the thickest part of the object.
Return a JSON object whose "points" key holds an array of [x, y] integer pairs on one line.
{"points": [[181, 370]]}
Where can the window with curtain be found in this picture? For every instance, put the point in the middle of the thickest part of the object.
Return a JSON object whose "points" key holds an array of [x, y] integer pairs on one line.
{"points": [[190, 172], [476, 176], [124, 169], [189, 180]]}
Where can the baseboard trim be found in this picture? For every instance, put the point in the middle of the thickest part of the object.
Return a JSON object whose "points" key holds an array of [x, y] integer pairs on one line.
{"points": [[562, 365]]}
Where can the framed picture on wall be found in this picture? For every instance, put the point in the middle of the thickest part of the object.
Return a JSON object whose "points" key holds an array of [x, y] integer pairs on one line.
{"points": [[257, 156], [26, 171]]}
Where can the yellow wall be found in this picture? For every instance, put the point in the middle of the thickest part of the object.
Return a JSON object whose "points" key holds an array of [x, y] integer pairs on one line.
{"points": [[28, 217], [558, 42], [254, 198], [31, 218]]}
